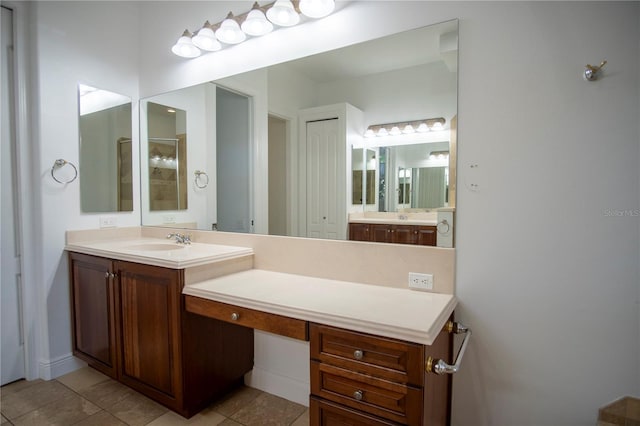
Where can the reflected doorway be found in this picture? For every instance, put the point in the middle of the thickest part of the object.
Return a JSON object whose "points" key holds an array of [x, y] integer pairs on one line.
{"points": [[233, 161], [278, 175]]}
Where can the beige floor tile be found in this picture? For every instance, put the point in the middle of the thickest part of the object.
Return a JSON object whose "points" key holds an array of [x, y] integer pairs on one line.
{"points": [[106, 394], [268, 409], [101, 418], [303, 420], [82, 378], [204, 418], [229, 422], [67, 410], [236, 400], [137, 410], [18, 386], [16, 404]]}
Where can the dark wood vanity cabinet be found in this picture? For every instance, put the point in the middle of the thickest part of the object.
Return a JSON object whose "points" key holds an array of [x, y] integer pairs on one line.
{"points": [[93, 312], [129, 322], [388, 233], [362, 379]]}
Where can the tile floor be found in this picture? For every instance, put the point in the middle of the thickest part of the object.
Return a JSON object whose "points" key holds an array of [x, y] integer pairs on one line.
{"points": [[89, 398]]}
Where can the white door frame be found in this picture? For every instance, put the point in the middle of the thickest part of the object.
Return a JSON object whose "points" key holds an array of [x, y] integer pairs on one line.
{"points": [[27, 167]]}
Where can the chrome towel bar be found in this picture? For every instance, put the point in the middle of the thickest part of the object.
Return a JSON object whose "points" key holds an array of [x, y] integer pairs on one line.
{"points": [[438, 366]]}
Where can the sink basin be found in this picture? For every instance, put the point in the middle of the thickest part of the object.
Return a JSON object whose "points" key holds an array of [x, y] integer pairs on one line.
{"points": [[155, 247]]}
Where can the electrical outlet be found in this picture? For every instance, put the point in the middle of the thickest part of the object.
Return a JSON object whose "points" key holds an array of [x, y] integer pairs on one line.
{"points": [[108, 222], [420, 281]]}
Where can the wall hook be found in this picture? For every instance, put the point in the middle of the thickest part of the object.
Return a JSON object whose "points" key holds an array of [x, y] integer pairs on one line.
{"points": [[590, 71]]}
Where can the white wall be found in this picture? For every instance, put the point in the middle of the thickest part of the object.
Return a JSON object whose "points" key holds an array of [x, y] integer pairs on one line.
{"points": [[547, 274], [93, 43]]}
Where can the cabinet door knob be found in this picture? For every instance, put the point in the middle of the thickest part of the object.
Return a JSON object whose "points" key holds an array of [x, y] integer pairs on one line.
{"points": [[358, 354], [113, 275], [107, 274], [235, 316], [357, 395]]}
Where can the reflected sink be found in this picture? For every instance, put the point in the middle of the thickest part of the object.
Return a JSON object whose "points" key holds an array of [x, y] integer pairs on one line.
{"points": [[155, 247]]}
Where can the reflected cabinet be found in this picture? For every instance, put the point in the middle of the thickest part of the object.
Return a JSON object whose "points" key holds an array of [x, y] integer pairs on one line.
{"points": [[393, 233]]}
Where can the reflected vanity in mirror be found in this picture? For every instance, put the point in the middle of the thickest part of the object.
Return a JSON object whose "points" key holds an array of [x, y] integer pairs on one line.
{"points": [[106, 183], [399, 78]]}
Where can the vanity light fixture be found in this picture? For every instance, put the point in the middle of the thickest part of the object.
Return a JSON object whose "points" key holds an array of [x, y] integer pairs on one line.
{"points": [[408, 127], [230, 32], [438, 155], [184, 47], [317, 8], [257, 22], [206, 39]]}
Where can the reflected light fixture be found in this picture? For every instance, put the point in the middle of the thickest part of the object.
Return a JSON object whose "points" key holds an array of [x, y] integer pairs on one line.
{"points": [[408, 127], [184, 47], [317, 8], [438, 155], [283, 13], [230, 32], [256, 23], [205, 39]]}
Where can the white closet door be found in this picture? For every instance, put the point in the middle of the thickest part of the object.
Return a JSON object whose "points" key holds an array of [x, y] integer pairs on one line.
{"points": [[323, 171]]}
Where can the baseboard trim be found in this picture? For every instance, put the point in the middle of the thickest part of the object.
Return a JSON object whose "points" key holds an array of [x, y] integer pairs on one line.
{"points": [[50, 369], [284, 387]]}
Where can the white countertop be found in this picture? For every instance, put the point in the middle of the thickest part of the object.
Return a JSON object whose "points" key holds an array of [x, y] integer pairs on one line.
{"points": [[158, 252], [397, 313]]}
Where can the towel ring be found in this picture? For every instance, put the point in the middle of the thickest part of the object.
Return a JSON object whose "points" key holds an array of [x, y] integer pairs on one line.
{"points": [[59, 163], [444, 224], [199, 174]]}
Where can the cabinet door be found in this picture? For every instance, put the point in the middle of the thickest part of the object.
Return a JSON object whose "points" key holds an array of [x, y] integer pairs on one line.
{"points": [[93, 312], [426, 235], [150, 319], [403, 234], [380, 233], [358, 232]]}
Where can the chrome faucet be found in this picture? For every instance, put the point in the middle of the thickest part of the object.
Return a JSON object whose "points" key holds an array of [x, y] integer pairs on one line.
{"points": [[180, 238]]}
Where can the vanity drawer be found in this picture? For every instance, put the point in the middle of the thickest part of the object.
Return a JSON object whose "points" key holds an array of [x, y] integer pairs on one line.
{"points": [[379, 397], [325, 413], [277, 324], [390, 359]]}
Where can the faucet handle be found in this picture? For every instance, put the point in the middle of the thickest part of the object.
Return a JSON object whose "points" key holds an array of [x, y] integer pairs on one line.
{"points": [[186, 239]]}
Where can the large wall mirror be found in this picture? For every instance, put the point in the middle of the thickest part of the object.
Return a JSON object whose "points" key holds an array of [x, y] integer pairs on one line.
{"points": [[246, 129], [106, 183]]}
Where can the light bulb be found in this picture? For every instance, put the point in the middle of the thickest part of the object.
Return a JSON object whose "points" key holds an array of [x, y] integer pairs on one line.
{"points": [[382, 132], [408, 129], [230, 32], [256, 24], [437, 126], [395, 131], [206, 39], [184, 47], [369, 133], [422, 128], [282, 13], [317, 8]]}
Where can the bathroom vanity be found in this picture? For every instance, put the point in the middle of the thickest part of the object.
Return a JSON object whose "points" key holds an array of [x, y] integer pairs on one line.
{"points": [[176, 323]]}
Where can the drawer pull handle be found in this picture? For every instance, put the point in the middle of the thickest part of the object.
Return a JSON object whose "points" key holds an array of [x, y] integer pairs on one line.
{"points": [[235, 316], [358, 354], [438, 366], [357, 395]]}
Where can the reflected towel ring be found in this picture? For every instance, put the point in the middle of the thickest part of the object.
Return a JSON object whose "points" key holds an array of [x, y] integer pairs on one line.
{"points": [[199, 174], [444, 224], [59, 163]]}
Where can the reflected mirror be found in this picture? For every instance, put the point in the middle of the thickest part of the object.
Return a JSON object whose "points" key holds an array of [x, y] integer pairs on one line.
{"points": [[106, 183], [400, 78]]}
